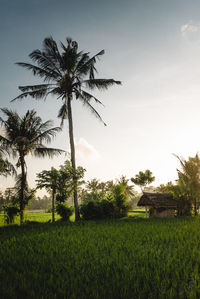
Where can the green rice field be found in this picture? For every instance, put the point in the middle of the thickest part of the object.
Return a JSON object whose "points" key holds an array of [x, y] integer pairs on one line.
{"points": [[127, 258], [42, 216]]}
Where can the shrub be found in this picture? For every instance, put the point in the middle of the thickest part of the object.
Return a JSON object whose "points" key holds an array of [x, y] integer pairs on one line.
{"points": [[64, 211], [11, 212], [92, 210], [184, 207]]}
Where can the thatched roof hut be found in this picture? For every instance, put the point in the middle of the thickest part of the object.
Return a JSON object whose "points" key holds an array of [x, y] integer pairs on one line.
{"points": [[160, 204]]}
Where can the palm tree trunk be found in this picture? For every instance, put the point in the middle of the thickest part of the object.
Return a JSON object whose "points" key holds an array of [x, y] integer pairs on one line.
{"points": [[22, 189], [53, 205], [73, 161]]}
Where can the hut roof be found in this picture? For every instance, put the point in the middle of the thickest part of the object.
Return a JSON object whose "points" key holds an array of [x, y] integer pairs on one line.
{"points": [[158, 200]]}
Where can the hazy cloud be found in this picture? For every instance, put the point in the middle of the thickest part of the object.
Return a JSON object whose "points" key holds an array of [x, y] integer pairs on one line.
{"points": [[190, 31], [86, 150]]}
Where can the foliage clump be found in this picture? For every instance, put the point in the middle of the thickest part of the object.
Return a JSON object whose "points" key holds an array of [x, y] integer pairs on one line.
{"points": [[112, 205], [10, 213], [64, 211], [92, 210]]}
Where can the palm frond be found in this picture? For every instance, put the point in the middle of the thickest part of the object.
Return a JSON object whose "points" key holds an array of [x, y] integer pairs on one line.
{"points": [[89, 97], [36, 94], [50, 48], [47, 74], [88, 66], [45, 61], [101, 84], [86, 103], [47, 135], [6, 168], [34, 87], [45, 151]]}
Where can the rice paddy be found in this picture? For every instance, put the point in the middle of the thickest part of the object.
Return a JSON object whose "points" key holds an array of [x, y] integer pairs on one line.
{"points": [[128, 258]]}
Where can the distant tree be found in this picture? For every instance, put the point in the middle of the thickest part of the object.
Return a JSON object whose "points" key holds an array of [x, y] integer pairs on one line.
{"points": [[109, 185], [39, 203], [92, 185], [142, 179], [23, 136], [128, 189], [67, 76]]}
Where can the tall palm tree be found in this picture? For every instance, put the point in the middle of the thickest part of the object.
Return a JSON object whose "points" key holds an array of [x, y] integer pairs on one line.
{"points": [[67, 75], [24, 135]]}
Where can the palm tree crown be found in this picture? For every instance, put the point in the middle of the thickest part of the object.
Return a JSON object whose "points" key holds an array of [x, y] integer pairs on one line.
{"points": [[66, 74], [26, 135]]}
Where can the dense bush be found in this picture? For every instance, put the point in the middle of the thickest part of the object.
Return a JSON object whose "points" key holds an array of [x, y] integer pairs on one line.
{"points": [[10, 213], [184, 207], [64, 211], [92, 196], [113, 205], [91, 210]]}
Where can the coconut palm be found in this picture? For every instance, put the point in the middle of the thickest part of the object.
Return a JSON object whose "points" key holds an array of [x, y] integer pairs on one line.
{"points": [[68, 75], [24, 135]]}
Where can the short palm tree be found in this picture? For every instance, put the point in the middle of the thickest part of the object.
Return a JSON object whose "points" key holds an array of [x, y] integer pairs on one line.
{"points": [[23, 136], [67, 75]]}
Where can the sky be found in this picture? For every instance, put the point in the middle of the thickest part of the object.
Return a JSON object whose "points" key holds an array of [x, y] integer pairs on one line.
{"points": [[152, 46]]}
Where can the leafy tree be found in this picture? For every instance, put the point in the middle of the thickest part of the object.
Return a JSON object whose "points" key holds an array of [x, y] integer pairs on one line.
{"points": [[66, 185], [25, 135], [143, 179], [60, 182], [67, 75], [49, 180]]}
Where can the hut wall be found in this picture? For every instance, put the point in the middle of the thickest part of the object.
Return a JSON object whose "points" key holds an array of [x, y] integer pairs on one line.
{"points": [[164, 213]]}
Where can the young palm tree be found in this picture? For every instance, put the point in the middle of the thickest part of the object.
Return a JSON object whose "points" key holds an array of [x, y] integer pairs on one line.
{"points": [[23, 136], [67, 75]]}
